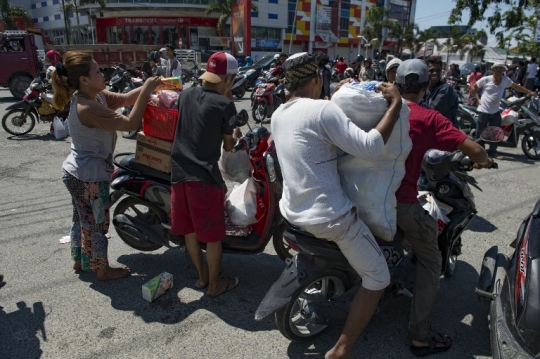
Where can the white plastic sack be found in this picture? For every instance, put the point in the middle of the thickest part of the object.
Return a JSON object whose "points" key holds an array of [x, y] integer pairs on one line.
{"points": [[60, 128], [372, 183], [235, 166], [241, 203], [436, 209], [508, 117]]}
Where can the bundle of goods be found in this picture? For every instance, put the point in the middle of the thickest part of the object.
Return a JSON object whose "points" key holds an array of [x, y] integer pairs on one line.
{"points": [[371, 183], [154, 143]]}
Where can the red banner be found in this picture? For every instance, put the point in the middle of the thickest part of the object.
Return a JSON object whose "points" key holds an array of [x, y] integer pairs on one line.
{"points": [[241, 28]]}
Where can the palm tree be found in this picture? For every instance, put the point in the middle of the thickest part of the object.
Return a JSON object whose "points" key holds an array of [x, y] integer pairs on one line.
{"points": [[403, 35], [455, 42], [223, 7], [474, 47], [72, 6], [8, 13], [425, 36], [376, 23]]}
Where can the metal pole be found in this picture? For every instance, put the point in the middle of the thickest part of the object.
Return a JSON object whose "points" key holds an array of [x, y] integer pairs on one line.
{"points": [[65, 22], [91, 26], [293, 27]]}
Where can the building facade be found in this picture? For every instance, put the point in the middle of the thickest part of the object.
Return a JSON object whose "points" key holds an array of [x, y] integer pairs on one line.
{"points": [[331, 26]]}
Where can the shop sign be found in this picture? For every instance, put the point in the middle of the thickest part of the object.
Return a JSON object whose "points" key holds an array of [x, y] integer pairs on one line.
{"points": [[321, 45], [219, 41], [268, 43]]}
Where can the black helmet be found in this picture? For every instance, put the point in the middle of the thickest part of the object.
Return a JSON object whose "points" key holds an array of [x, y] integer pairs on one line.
{"points": [[153, 56]]}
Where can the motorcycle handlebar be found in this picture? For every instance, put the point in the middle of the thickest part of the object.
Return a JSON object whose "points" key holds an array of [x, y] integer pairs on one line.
{"points": [[240, 145]]}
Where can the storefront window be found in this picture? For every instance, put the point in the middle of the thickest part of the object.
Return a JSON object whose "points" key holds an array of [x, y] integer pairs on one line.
{"points": [[154, 39], [140, 35], [128, 35], [114, 35], [170, 35]]}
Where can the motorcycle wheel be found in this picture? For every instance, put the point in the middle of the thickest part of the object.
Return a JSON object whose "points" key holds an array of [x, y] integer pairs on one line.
{"points": [[259, 111], [282, 248], [530, 144], [140, 211], [451, 261], [17, 123], [130, 134], [289, 319], [241, 93]]}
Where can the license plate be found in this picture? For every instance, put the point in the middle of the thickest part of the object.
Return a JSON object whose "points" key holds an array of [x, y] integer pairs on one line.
{"points": [[27, 91]]}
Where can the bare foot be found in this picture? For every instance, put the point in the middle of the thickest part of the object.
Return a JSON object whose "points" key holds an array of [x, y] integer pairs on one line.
{"points": [[109, 273], [203, 279], [337, 353], [224, 285], [77, 266]]}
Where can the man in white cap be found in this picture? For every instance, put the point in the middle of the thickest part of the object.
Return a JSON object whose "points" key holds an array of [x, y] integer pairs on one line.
{"points": [[391, 69], [429, 129], [206, 118], [493, 88]]}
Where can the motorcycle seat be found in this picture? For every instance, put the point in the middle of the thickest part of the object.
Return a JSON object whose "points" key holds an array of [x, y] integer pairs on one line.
{"points": [[129, 162]]}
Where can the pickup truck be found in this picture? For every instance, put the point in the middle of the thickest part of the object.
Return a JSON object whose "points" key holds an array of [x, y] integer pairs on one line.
{"points": [[19, 61]]}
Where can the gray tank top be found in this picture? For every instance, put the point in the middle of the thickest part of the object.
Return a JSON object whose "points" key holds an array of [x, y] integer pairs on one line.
{"points": [[90, 159]]}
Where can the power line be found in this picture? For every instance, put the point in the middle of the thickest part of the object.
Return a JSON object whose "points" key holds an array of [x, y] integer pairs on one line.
{"points": [[434, 15]]}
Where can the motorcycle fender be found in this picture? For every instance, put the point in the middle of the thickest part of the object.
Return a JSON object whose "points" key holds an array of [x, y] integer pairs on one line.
{"points": [[19, 105], [114, 197], [293, 277]]}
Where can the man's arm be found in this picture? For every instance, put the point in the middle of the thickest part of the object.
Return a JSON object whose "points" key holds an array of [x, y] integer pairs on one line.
{"points": [[476, 153], [522, 89], [392, 95], [474, 91]]}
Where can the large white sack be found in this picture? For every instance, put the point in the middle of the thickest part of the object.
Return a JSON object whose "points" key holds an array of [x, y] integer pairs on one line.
{"points": [[372, 184]]}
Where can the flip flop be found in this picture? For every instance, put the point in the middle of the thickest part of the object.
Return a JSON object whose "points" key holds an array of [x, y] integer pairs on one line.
{"points": [[233, 282], [432, 348], [200, 286]]}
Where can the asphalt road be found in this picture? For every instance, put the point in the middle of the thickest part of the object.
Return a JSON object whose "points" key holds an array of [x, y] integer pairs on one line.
{"points": [[48, 311]]}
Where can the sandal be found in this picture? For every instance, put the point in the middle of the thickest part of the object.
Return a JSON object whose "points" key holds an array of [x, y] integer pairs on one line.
{"points": [[432, 348]]}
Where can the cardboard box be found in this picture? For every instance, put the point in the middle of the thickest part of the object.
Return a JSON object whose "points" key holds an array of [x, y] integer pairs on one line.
{"points": [[156, 286], [154, 152]]}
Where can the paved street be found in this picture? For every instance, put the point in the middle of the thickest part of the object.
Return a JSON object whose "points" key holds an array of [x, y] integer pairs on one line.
{"points": [[48, 311]]}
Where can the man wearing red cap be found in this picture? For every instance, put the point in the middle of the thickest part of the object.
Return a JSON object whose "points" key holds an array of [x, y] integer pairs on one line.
{"points": [[206, 118]]}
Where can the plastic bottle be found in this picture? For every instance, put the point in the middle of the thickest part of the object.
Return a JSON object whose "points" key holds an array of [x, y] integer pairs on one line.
{"points": [[423, 183]]}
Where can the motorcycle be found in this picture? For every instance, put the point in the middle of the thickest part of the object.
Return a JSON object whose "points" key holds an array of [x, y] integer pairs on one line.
{"points": [[239, 86], [141, 218], [317, 286], [198, 71], [132, 83], [510, 288], [120, 79], [36, 105], [267, 98]]}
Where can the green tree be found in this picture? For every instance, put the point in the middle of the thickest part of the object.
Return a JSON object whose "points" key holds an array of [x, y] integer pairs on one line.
{"points": [[8, 13], [424, 36], [455, 42], [473, 45], [223, 8], [404, 36], [73, 6], [376, 24]]}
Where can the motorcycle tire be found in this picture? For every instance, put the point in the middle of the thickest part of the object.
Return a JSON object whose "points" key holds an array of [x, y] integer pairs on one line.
{"points": [[130, 135], [282, 248], [289, 320], [240, 94], [18, 85], [451, 261], [17, 119], [152, 217], [529, 143], [259, 111]]}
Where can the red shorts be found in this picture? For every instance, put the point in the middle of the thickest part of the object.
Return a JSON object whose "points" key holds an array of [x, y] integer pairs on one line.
{"points": [[198, 207]]}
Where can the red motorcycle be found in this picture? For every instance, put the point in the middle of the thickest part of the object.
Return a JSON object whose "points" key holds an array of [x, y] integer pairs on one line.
{"points": [[142, 217], [268, 96]]}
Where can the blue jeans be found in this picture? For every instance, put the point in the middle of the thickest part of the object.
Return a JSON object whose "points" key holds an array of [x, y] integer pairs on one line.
{"points": [[485, 120]]}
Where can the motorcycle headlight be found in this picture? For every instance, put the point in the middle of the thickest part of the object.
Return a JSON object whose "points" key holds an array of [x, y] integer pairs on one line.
{"points": [[249, 72], [270, 168]]}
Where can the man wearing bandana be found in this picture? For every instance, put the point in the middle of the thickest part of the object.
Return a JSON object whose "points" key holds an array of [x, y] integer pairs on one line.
{"points": [[308, 132]]}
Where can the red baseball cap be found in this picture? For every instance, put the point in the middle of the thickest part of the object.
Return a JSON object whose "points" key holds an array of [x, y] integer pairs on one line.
{"points": [[219, 64]]}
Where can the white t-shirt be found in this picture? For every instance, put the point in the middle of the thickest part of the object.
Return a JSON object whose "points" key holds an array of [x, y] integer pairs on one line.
{"points": [[491, 93], [531, 70], [307, 134]]}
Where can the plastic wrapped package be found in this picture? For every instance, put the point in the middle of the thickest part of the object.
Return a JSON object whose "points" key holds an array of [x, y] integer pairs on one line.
{"points": [[168, 97], [371, 183]]}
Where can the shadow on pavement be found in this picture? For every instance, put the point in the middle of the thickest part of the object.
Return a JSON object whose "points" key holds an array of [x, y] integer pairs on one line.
{"points": [[236, 308], [37, 137], [480, 224], [512, 157], [19, 331], [456, 304]]}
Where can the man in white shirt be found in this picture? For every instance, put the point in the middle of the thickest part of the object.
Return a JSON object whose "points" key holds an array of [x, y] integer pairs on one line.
{"points": [[174, 69], [531, 74], [488, 106], [308, 133]]}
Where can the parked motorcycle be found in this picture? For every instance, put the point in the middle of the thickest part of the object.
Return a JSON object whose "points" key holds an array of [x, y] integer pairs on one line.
{"points": [[510, 286], [141, 218], [36, 105], [267, 98], [119, 79], [239, 86], [198, 71], [133, 83], [317, 286]]}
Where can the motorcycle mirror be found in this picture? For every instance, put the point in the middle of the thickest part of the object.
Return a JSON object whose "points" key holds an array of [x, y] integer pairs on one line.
{"points": [[241, 119], [492, 134]]}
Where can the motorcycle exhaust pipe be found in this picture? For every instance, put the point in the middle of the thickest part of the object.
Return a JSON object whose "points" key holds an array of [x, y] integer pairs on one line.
{"points": [[325, 313], [136, 229]]}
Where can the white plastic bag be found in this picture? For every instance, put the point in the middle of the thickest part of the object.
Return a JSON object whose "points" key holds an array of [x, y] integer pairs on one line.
{"points": [[371, 183], [235, 166], [436, 209], [241, 203], [60, 128]]}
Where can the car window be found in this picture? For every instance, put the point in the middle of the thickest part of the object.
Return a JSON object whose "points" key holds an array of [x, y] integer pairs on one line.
{"points": [[265, 60]]}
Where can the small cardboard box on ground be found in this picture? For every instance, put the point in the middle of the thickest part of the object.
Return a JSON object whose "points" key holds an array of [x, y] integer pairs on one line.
{"points": [[154, 152], [156, 286]]}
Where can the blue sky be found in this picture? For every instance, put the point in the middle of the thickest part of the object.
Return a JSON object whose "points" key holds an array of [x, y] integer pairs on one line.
{"points": [[428, 14]]}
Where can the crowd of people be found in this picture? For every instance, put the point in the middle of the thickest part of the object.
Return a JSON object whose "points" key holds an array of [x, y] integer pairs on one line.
{"points": [[305, 128]]}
